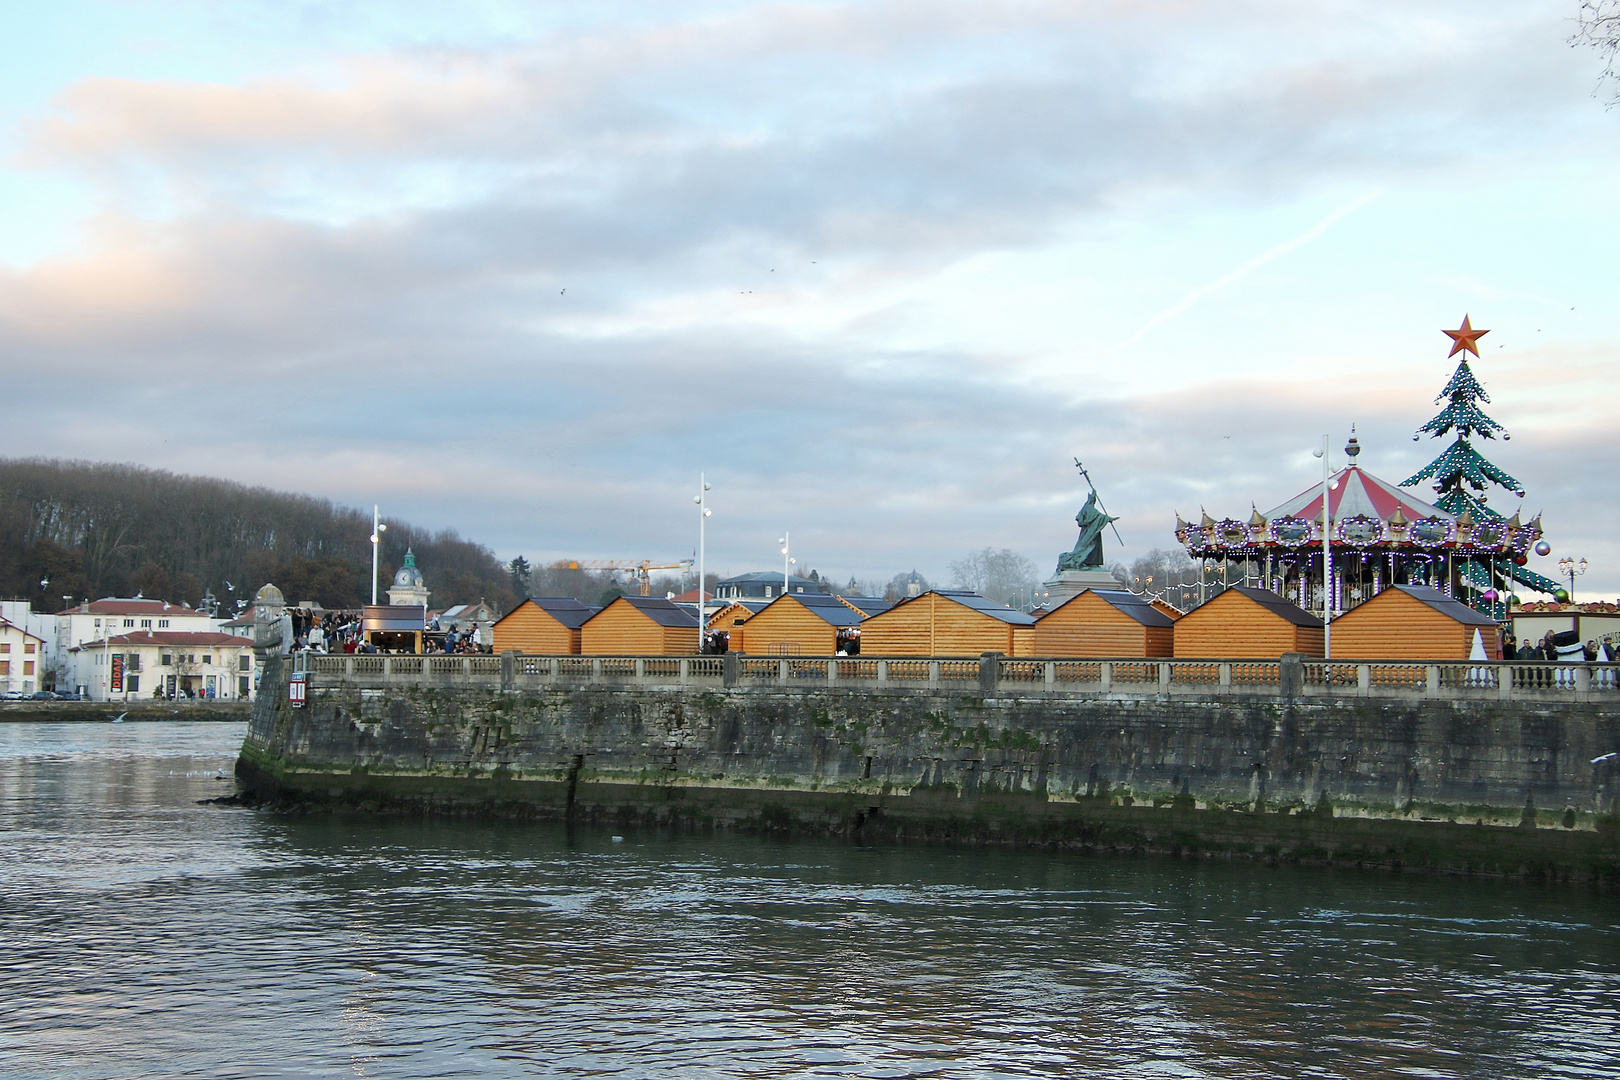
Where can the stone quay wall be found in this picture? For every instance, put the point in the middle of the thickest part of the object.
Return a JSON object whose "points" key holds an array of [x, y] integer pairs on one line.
{"points": [[1468, 784]]}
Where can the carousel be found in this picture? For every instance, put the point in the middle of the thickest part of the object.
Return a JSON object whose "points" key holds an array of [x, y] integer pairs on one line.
{"points": [[1374, 534], [1379, 536]]}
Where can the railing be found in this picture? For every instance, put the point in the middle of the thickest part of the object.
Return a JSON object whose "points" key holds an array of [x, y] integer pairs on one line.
{"points": [[989, 675]]}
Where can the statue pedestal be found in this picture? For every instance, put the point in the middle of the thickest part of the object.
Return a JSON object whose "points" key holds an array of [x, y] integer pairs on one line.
{"points": [[1071, 583]]}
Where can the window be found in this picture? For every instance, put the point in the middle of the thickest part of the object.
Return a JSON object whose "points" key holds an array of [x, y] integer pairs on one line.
{"points": [[208, 658], [127, 622], [5, 646], [5, 667], [244, 663], [132, 683], [767, 590], [28, 648], [28, 667], [132, 662], [242, 685], [146, 624], [166, 660], [98, 624], [163, 624]]}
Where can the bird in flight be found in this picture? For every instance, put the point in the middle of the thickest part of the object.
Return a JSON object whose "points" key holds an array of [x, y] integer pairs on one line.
{"points": [[563, 293], [119, 719]]}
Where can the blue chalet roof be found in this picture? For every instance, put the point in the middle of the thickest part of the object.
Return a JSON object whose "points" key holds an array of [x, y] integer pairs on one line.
{"points": [[829, 609], [661, 611], [868, 605], [1126, 603], [1454, 609], [985, 606], [565, 609]]}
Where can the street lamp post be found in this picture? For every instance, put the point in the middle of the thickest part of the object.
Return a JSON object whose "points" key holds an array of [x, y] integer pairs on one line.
{"points": [[1571, 567], [702, 500], [786, 560], [1327, 557], [377, 529]]}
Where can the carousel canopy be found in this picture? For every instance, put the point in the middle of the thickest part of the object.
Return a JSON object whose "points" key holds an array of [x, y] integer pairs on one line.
{"points": [[1354, 492]]}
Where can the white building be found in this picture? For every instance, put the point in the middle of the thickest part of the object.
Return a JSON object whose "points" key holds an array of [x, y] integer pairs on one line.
{"points": [[164, 663], [108, 617], [22, 659]]}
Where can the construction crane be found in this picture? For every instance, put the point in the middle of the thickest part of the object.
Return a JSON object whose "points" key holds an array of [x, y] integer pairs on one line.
{"points": [[641, 570]]}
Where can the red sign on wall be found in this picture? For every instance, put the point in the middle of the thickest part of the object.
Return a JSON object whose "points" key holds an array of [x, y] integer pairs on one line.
{"points": [[118, 671]]}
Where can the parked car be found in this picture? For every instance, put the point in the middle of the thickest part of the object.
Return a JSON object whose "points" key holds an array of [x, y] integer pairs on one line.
{"points": [[13, 695], [42, 695], [67, 695]]}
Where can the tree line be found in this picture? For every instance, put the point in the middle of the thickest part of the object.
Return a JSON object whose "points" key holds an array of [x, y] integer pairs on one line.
{"points": [[85, 530]]}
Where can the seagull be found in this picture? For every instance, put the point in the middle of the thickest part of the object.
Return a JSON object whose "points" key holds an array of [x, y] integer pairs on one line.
{"points": [[119, 719]]}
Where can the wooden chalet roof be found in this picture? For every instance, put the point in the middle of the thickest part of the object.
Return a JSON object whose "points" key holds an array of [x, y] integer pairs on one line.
{"points": [[1277, 605], [867, 605], [1126, 603], [1452, 609], [983, 605], [829, 609], [661, 611], [565, 609]]}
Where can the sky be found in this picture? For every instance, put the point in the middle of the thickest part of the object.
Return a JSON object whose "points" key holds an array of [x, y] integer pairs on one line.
{"points": [[880, 270]]}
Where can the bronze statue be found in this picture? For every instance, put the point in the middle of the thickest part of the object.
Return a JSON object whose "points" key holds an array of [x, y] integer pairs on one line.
{"points": [[1088, 549]]}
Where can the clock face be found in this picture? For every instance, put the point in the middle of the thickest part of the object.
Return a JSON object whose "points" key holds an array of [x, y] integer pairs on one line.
{"points": [[1290, 530], [1431, 531]]}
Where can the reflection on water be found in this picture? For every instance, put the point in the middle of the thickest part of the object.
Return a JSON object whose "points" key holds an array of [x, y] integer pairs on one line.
{"points": [[147, 935]]}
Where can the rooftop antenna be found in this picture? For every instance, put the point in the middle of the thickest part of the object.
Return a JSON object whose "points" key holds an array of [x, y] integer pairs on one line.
{"points": [[1100, 505]]}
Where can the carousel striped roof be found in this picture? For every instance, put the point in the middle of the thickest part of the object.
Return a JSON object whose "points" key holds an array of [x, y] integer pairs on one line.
{"points": [[1356, 492]]}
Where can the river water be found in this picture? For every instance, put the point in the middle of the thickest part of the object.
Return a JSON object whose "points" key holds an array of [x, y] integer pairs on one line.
{"points": [[144, 934]]}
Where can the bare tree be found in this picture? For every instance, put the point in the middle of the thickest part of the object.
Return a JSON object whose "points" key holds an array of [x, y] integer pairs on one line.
{"points": [[1599, 28], [1003, 576]]}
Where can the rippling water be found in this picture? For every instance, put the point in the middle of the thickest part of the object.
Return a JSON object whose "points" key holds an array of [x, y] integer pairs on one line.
{"points": [[144, 934]]}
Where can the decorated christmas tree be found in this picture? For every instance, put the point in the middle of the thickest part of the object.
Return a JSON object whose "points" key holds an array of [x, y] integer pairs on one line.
{"points": [[1461, 473]]}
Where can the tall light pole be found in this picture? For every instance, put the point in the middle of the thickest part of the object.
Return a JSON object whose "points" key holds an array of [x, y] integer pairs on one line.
{"points": [[377, 529], [786, 561], [1327, 558], [702, 500]]}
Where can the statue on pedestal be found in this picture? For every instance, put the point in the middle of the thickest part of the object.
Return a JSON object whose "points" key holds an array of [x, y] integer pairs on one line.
{"points": [[1088, 549], [1083, 568]]}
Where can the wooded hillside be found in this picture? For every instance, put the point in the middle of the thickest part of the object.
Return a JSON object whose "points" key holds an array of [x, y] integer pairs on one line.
{"points": [[97, 530]]}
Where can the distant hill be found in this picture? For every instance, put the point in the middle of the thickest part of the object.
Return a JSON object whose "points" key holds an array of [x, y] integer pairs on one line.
{"points": [[96, 530]]}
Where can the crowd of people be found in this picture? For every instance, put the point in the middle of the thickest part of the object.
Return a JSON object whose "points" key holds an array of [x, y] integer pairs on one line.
{"points": [[1547, 649]]}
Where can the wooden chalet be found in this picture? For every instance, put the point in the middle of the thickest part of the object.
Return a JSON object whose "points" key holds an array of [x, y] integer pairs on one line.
{"points": [[548, 625], [948, 623], [1413, 622], [1170, 611], [1105, 623], [1248, 624], [640, 626], [800, 624], [734, 613]]}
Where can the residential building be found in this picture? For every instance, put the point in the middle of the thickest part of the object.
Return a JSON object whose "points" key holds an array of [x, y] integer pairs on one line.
{"points": [[766, 585], [22, 659], [163, 663]]}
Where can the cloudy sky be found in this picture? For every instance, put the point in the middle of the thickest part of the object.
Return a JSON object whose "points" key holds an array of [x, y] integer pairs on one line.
{"points": [[882, 269]]}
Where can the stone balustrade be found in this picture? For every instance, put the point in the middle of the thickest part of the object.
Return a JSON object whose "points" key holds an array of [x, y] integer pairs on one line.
{"points": [[1291, 677]]}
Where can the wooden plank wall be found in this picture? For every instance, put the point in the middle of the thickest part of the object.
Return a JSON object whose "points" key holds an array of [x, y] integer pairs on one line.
{"points": [[934, 626], [1395, 626], [620, 630], [529, 629], [1090, 626], [787, 622], [1232, 625]]}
